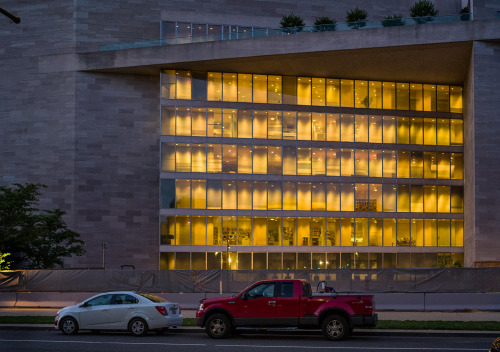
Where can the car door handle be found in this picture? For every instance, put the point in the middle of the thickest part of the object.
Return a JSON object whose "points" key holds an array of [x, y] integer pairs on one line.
{"points": [[272, 303]]}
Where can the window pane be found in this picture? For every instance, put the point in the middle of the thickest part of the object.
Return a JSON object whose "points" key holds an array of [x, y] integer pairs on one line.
{"points": [[347, 93], [403, 130], [318, 127], [416, 97], [318, 161], [214, 158], [289, 196], [456, 99], [274, 90], [444, 234], [304, 91], [375, 129], [333, 92], [304, 232], [182, 230], [403, 164], [259, 159], [214, 230], [199, 194], [303, 161], [430, 201], [274, 195], [443, 165], [347, 128], [430, 131], [333, 162], [333, 196], [229, 87], [457, 232], [274, 234], [199, 127], [244, 159], [361, 235], [318, 196], [417, 199], [416, 130], [289, 125], [259, 195], [304, 195], [443, 200], [443, 98], [417, 232], [274, 125], [361, 162], [214, 86], [304, 126], [403, 96], [430, 165], [375, 95], [289, 231], [259, 124], [347, 197], [244, 195], [183, 157], [457, 199], [318, 92], [168, 157], [389, 197], [229, 194], [346, 232], [214, 194], [274, 160], [403, 233], [259, 88], [332, 232], [457, 166], [244, 230], [168, 120], [183, 85], [199, 224], [443, 131], [333, 127], [456, 132], [289, 161], [347, 162], [259, 232], [376, 232], [375, 163], [389, 99], [403, 198], [375, 201], [361, 128], [168, 84], [417, 164], [289, 90], [361, 94], [430, 232], [244, 123], [390, 127], [229, 123], [214, 123], [229, 157], [389, 163], [390, 232], [429, 97], [245, 87], [361, 202]]}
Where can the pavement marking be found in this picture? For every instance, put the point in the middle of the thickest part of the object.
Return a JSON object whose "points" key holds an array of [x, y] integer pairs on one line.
{"points": [[108, 342]]}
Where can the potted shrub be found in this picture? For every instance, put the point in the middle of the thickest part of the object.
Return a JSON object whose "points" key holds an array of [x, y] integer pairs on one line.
{"points": [[292, 23], [423, 10], [324, 24], [355, 18], [394, 20], [465, 13]]}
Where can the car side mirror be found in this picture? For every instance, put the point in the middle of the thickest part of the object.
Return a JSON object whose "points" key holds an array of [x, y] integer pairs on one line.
{"points": [[84, 305], [244, 296]]}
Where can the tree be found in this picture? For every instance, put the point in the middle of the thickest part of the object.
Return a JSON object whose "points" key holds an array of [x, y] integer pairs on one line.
{"points": [[355, 18], [324, 24], [37, 239], [292, 23]]}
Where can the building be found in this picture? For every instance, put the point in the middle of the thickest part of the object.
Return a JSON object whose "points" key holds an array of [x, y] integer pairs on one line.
{"points": [[208, 139]]}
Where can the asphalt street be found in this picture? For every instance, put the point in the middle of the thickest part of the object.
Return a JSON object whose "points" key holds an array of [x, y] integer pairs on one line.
{"points": [[54, 341]]}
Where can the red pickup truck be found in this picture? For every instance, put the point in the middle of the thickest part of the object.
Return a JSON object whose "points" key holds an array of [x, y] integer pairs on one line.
{"points": [[286, 303]]}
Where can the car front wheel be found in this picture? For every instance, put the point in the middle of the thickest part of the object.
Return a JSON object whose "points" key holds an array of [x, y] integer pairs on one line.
{"points": [[138, 327], [68, 326], [335, 327], [218, 326]]}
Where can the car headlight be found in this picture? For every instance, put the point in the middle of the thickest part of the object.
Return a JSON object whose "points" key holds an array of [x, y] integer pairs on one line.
{"points": [[201, 306]]}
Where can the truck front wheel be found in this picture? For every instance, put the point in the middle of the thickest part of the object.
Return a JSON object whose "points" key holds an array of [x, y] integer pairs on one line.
{"points": [[218, 326], [335, 327]]}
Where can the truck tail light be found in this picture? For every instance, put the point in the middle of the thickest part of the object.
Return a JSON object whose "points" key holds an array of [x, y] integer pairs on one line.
{"points": [[162, 310]]}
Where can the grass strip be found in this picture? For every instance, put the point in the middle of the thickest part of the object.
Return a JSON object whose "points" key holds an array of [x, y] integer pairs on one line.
{"points": [[382, 324]]}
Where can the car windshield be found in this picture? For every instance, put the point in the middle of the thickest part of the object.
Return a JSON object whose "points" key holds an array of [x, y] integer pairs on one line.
{"points": [[153, 298]]}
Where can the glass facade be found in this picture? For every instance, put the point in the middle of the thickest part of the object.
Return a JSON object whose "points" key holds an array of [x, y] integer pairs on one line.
{"points": [[258, 186]]}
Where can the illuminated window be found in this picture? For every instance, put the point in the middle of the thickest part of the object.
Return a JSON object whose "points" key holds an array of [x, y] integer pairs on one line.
{"points": [[456, 99], [361, 128], [430, 232], [389, 193], [289, 232], [347, 232], [430, 200], [443, 98], [244, 194], [229, 194], [245, 87], [318, 196], [244, 123], [244, 230], [304, 231], [274, 89], [214, 123], [443, 199], [389, 163], [274, 234], [332, 196], [417, 199], [229, 158], [416, 97], [274, 125], [318, 127], [457, 166], [318, 235], [183, 231], [259, 195], [318, 91], [347, 197], [376, 232], [375, 163], [304, 196], [429, 97], [259, 88], [304, 126], [416, 130], [332, 232], [199, 122], [304, 85], [375, 129], [375, 93], [403, 164], [443, 132], [199, 229], [183, 85], [430, 131], [183, 194], [333, 162], [229, 87], [417, 164], [456, 132], [403, 130], [167, 120], [347, 128], [199, 194], [318, 161], [346, 93], [229, 123], [390, 232], [402, 96], [214, 194], [259, 232], [361, 236], [274, 195], [389, 95], [199, 158], [303, 161], [214, 158], [274, 160], [214, 86], [259, 159], [259, 124], [361, 94], [183, 157], [289, 161], [289, 125], [333, 92], [390, 128], [375, 200], [403, 198], [289, 196], [244, 159], [347, 162]]}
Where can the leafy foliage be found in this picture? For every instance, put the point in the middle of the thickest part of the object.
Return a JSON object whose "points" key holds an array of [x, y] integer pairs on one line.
{"points": [[291, 20], [4, 263], [394, 20], [355, 17], [324, 23], [37, 239], [423, 8]]}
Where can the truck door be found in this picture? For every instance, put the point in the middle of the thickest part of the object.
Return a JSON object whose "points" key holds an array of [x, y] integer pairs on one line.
{"points": [[287, 304], [257, 306]]}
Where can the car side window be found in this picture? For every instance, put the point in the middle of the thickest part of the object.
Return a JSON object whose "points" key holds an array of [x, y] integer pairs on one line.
{"points": [[286, 289], [100, 300], [262, 290], [125, 299]]}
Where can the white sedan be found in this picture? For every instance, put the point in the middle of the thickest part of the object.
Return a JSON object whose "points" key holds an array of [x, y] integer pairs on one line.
{"points": [[132, 311]]}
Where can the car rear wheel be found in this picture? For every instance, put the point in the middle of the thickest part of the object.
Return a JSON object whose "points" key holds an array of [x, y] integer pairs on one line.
{"points": [[138, 327], [68, 326], [335, 327], [218, 326]]}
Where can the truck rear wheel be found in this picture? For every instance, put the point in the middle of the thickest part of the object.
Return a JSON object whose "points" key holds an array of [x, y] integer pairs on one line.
{"points": [[218, 326], [335, 327]]}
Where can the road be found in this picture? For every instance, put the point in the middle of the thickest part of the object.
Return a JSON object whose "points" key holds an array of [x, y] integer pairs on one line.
{"points": [[54, 341]]}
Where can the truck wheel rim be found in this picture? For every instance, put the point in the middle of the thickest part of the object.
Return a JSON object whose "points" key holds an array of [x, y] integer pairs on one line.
{"points": [[137, 327], [68, 326], [335, 328], [217, 327]]}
